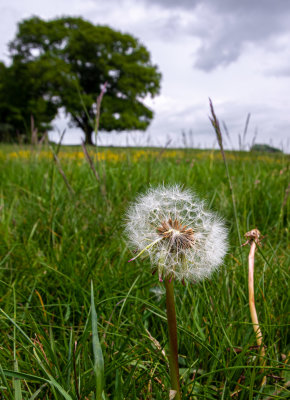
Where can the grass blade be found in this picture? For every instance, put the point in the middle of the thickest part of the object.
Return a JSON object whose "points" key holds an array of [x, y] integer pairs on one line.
{"points": [[118, 386], [21, 375], [97, 351], [35, 395], [16, 381]]}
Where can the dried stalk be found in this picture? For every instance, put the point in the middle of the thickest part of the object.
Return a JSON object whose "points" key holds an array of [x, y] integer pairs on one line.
{"points": [[34, 131], [216, 126], [96, 129], [61, 171], [58, 164], [98, 111], [90, 161], [287, 192], [254, 237]]}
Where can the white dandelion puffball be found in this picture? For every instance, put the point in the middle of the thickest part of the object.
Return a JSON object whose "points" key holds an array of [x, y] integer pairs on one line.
{"points": [[183, 239]]}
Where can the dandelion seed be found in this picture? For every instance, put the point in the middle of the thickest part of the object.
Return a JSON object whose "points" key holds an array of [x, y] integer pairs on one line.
{"points": [[183, 240]]}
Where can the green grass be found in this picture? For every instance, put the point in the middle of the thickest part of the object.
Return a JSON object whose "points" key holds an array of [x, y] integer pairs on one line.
{"points": [[54, 243]]}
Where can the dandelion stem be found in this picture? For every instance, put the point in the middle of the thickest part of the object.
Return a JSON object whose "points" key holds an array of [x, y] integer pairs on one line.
{"points": [[172, 332], [252, 306]]}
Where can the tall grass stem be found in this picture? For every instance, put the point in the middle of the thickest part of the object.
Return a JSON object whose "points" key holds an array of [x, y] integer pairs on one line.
{"points": [[216, 126]]}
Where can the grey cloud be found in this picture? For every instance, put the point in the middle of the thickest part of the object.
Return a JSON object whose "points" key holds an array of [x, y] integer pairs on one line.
{"points": [[226, 5], [283, 71], [225, 27]]}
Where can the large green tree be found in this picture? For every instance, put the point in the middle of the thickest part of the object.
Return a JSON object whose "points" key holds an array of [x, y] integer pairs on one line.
{"points": [[74, 59], [24, 93]]}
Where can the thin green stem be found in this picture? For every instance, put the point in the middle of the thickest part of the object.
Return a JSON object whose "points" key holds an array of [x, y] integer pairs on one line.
{"points": [[172, 333]]}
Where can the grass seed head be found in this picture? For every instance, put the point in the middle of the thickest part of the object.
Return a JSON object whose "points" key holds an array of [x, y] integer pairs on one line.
{"points": [[183, 239]]}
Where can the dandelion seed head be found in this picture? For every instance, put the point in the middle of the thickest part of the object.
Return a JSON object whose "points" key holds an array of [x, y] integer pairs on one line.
{"points": [[183, 239]]}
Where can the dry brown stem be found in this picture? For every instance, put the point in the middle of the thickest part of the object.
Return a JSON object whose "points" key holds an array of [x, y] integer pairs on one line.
{"points": [[254, 239], [215, 123], [90, 161], [61, 171]]}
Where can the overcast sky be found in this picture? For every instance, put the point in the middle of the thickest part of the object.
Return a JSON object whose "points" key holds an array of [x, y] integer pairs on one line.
{"points": [[236, 52]]}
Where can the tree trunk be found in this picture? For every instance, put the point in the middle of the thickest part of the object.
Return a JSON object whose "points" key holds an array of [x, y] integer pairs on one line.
{"points": [[84, 124], [88, 137]]}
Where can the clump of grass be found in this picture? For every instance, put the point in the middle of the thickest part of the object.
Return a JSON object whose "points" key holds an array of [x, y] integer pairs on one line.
{"points": [[54, 244]]}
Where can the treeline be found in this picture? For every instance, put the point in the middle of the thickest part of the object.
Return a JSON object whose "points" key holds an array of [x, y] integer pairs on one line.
{"points": [[64, 64]]}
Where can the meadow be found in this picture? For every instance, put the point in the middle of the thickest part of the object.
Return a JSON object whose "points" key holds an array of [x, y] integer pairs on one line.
{"points": [[62, 227]]}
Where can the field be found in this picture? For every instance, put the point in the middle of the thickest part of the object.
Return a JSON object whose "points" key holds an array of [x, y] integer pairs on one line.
{"points": [[62, 228]]}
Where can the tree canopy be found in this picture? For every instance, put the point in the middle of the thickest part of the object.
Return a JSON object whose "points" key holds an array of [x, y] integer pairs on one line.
{"points": [[24, 92], [64, 63]]}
